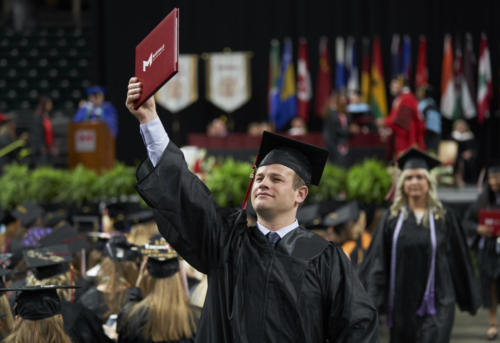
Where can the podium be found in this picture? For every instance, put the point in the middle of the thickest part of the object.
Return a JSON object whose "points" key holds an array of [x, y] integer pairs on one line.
{"points": [[92, 145]]}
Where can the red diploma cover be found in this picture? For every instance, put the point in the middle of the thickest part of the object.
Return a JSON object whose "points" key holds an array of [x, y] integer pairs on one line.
{"points": [[157, 56], [490, 218]]}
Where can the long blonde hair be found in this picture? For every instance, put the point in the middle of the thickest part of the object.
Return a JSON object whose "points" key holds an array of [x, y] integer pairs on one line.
{"points": [[63, 279], [117, 276], [48, 330], [141, 233], [170, 317], [7, 321], [401, 199]]}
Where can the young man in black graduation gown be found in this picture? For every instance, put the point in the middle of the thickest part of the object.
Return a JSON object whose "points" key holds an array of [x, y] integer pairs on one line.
{"points": [[301, 290]]}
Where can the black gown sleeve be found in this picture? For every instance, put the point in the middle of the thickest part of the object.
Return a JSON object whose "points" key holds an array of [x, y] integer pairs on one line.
{"points": [[465, 281], [185, 212], [373, 271], [352, 317]]}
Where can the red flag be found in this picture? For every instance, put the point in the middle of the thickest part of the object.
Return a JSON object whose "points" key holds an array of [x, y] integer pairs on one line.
{"points": [[304, 91], [484, 87], [422, 74], [324, 82]]}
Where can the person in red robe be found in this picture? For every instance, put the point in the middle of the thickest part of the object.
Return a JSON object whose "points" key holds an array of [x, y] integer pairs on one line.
{"points": [[404, 120]]}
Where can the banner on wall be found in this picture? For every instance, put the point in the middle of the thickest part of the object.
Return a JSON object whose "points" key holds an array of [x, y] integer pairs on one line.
{"points": [[228, 79], [182, 90]]}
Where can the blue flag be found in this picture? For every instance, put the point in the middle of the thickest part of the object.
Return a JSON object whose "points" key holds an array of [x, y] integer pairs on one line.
{"points": [[406, 58], [340, 77], [286, 108]]}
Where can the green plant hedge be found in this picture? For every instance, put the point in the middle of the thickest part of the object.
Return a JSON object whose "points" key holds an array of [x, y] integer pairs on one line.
{"points": [[48, 185], [227, 180]]}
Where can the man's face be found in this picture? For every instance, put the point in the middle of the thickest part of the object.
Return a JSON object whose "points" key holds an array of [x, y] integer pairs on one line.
{"points": [[494, 182], [415, 184], [273, 191], [396, 87]]}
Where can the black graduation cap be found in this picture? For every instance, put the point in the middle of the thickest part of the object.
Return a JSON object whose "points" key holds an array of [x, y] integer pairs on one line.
{"points": [[67, 235], [6, 217], [307, 160], [86, 223], [162, 258], [119, 249], [141, 216], [54, 218], [310, 216], [48, 261], [27, 213], [342, 215], [415, 159], [37, 302]]}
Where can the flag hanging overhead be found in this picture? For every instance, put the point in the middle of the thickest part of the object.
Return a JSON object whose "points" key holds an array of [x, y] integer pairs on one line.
{"points": [[274, 76], [351, 61], [468, 88], [228, 79], [447, 81], [457, 79], [287, 104], [304, 90], [395, 56], [406, 58], [323, 80], [182, 90], [378, 100], [340, 79], [365, 71], [484, 87], [422, 73]]}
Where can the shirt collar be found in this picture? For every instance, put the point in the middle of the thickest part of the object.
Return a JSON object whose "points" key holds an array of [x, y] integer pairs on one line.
{"points": [[282, 232]]}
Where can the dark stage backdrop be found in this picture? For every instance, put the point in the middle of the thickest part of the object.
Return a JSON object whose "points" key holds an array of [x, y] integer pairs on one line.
{"points": [[212, 25]]}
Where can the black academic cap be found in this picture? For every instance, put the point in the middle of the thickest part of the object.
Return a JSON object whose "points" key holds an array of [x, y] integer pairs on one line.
{"points": [[309, 215], [54, 218], [37, 302], [141, 216], [6, 217], [66, 235], [415, 159], [119, 249], [27, 213], [308, 161], [48, 261], [85, 223], [342, 215], [162, 258]]}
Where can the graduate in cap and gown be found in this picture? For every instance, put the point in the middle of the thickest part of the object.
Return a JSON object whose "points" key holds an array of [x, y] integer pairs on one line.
{"points": [[38, 316], [164, 315], [51, 266], [273, 282], [418, 265], [487, 245], [117, 272]]}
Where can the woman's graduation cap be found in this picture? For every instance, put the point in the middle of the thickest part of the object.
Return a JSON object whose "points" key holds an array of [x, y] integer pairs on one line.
{"points": [[163, 260], [307, 160], [27, 213], [37, 302], [48, 261], [119, 249], [416, 159]]}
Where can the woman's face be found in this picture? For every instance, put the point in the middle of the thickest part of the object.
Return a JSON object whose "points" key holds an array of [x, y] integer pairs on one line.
{"points": [[415, 184], [494, 182]]}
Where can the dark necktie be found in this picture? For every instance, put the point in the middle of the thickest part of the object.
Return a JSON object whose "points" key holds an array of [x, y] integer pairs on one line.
{"points": [[273, 238]]}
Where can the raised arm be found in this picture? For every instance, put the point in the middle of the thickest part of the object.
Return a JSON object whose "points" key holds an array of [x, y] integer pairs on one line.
{"points": [[184, 209]]}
